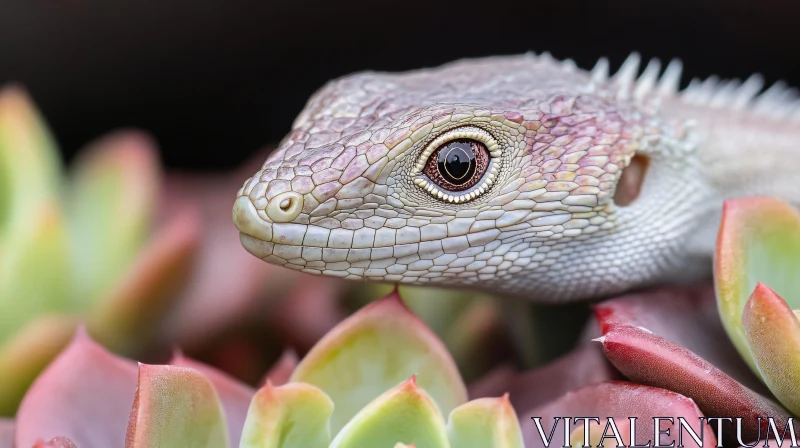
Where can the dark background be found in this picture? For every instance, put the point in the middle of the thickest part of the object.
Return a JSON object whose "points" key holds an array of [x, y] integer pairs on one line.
{"points": [[215, 81]]}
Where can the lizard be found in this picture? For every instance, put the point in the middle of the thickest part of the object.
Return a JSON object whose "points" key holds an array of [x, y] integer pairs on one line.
{"points": [[521, 175]]}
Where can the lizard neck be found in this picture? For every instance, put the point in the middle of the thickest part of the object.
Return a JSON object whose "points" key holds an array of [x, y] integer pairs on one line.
{"points": [[743, 153]]}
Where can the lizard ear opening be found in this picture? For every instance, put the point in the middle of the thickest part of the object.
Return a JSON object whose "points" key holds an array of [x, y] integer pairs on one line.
{"points": [[630, 182]]}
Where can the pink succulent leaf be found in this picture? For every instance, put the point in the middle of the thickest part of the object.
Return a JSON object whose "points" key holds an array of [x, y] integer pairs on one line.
{"points": [[85, 394], [652, 360], [651, 338], [234, 395], [773, 334], [280, 372], [758, 241], [28, 353], [6, 433], [111, 202], [619, 401], [585, 365], [686, 316], [224, 267], [129, 316], [56, 442], [372, 351], [497, 381], [175, 406]]}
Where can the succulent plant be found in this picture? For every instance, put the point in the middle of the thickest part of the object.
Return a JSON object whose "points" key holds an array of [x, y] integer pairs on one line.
{"points": [[732, 347], [79, 247], [379, 378]]}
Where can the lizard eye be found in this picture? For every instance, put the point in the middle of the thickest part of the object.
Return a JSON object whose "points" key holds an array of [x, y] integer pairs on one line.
{"points": [[458, 166]]}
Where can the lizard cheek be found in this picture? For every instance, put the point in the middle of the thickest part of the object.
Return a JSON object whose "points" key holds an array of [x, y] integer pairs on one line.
{"points": [[630, 182]]}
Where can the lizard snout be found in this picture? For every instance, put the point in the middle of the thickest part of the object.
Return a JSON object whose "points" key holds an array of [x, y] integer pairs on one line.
{"points": [[248, 221]]}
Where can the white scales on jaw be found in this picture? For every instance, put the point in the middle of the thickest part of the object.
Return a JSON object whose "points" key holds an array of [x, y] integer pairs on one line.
{"points": [[565, 184]]}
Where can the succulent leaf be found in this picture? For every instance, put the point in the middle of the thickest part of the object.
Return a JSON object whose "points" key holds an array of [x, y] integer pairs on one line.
{"points": [[758, 241], [773, 334], [295, 415], [620, 401], [27, 354], [650, 359], [405, 413], [84, 385], [116, 181], [235, 396], [584, 365], [672, 338], [485, 423], [175, 406], [30, 171], [371, 352], [132, 309], [281, 371], [34, 270]]}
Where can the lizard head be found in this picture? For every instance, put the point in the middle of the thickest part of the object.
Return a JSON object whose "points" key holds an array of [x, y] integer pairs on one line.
{"points": [[506, 173]]}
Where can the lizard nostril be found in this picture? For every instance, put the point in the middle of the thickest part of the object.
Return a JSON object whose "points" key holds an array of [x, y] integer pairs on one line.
{"points": [[285, 207]]}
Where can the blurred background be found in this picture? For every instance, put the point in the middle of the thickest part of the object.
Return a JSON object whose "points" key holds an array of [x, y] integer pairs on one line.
{"points": [[215, 85], [216, 80]]}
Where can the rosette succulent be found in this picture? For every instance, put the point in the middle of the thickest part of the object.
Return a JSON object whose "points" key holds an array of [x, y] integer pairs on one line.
{"points": [[80, 246], [732, 347], [378, 379]]}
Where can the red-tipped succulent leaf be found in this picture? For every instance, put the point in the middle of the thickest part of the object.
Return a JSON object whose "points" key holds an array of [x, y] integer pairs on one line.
{"points": [[616, 401], [672, 338], [773, 335]]}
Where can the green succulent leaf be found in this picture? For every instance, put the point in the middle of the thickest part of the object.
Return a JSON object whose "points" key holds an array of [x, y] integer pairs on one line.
{"points": [[27, 354], [485, 423], [371, 352], [295, 415], [405, 413], [175, 407], [759, 241], [116, 181], [234, 395], [773, 333], [34, 272], [30, 171]]}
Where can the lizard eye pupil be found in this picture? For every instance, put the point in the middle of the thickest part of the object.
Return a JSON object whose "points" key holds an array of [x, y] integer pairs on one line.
{"points": [[458, 164]]}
